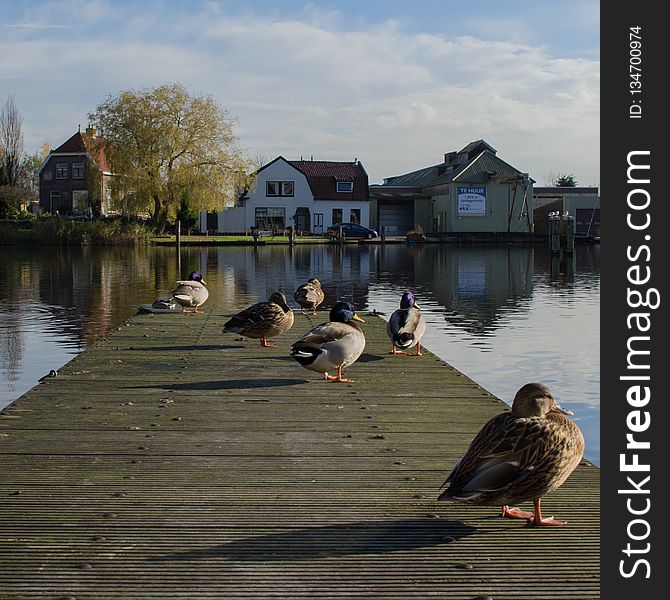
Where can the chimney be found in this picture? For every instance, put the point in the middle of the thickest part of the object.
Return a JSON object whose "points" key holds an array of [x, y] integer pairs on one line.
{"points": [[90, 131]]}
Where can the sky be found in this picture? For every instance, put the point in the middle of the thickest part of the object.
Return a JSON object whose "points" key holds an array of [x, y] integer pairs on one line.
{"points": [[395, 84]]}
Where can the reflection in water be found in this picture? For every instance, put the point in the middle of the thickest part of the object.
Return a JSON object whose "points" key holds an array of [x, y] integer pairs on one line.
{"points": [[504, 315]]}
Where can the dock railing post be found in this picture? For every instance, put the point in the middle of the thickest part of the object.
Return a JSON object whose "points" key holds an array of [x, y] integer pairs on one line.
{"points": [[555, 234], [569, 230]]}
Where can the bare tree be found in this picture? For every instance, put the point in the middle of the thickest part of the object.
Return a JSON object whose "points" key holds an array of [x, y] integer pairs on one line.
{"points": [[11, 141]]}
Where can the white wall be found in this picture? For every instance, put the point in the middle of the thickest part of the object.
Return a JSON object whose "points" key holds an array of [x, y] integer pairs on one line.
{"points": [[278, 171], [326, 208], [232, 220]]}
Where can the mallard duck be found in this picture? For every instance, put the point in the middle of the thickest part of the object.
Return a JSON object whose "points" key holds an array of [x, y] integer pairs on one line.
{"points": [[263, 320], [406, 326], [518, 456], [309, 295], [332, 346], [191, 293]]}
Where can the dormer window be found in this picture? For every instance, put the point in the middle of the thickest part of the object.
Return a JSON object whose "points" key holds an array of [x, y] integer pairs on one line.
{"points": [[345, 186]]}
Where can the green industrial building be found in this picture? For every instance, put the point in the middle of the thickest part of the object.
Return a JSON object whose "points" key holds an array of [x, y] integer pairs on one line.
{"points": [[471, 194]]}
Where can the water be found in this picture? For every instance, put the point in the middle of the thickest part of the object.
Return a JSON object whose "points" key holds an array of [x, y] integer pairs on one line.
{"points": [[503, 315]]}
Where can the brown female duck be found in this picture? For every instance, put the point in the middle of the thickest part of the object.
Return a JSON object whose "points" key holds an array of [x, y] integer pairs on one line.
{"points": [[263, 320], [309, 295], [518, 456]]}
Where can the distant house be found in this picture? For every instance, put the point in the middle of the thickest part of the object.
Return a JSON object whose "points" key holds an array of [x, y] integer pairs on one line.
{"points": [[74, 178], [472, 191], [582, 203], [307, 195]]}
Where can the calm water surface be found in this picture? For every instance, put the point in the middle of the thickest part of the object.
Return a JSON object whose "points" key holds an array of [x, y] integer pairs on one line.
{"points": [[502, 315]]}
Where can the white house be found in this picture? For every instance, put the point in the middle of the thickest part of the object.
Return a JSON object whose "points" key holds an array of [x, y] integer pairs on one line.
{"points": [[307, 195]]}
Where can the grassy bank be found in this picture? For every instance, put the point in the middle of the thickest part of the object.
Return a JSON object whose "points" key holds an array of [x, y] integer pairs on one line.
{"points": [[61, 232], [214, 240]]}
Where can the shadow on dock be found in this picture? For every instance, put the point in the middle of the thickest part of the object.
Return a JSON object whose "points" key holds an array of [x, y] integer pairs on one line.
{"points": [[310, 543]]}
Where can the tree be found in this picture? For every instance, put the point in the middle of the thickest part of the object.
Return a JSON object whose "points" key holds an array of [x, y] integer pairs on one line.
{"points": [[565, 180], [29, 169], [11, 141], [164, 144]]}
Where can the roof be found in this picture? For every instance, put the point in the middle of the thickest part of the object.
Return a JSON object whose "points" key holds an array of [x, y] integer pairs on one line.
{"points": [[563, 190], [476, 161], [323, 175], [84, 143]]}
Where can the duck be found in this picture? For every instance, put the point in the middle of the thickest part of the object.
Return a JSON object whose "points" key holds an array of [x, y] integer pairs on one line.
{"points": [[332, 346], [406, 326], [191, 293], [263, 320], [309, 295], [519, 455]]}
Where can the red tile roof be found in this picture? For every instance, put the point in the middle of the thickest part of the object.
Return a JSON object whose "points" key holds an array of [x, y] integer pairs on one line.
{"points": [[323, 176], [83, 143]]}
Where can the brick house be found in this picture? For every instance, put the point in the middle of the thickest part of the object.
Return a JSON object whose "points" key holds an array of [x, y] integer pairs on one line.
{"points": [[75, 178]]}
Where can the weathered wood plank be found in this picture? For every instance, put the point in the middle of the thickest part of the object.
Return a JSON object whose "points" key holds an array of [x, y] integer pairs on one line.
{"points": [[172, 461]]}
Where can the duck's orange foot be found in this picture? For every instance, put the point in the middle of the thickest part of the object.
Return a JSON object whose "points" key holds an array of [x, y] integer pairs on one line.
{"points": [[338, 377], [547, 521], [267, 344], [416, 354], [516, 513], [396, 351]]}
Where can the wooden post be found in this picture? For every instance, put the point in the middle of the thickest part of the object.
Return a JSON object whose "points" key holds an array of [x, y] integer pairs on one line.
{"points": [[383, 234], [555, 234], [569, 229], [178, 233]]}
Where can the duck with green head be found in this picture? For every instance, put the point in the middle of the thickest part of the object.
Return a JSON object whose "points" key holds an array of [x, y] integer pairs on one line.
{"points": [[263, 320], [406, 326], [191, 293], [332, 346], [518, 456]]}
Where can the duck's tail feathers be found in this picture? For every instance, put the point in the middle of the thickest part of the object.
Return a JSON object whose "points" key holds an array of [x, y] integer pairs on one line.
{"points": [[305, 355], [403, 340]]}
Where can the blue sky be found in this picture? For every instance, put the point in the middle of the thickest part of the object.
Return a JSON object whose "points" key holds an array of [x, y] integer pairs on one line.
{"points": [[393, 83]]}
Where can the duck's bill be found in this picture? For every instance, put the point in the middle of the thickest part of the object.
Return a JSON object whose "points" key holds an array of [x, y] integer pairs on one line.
{"points": [[357, 318], [417, 306], [561, 410], [203, 281]]}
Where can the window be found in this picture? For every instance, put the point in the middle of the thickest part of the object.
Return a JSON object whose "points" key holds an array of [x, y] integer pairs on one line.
{"points": [[61, 170], [345, 186], [355, 216], [54, 201], [79, 199], [279, 188], [337, 216], [287, 188], [77, 170], [269, 218]]}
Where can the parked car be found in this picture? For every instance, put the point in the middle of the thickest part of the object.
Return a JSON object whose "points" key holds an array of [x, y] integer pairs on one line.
{"points": [[352, 230]]}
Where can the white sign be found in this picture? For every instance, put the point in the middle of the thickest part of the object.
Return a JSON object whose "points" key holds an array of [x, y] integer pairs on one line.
{"points": [[471, 201]]}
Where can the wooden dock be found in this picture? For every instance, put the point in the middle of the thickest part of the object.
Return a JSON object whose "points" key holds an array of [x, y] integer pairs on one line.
{"points": [[172, 461]]}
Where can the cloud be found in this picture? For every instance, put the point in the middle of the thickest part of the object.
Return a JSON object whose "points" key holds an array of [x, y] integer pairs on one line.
{"points": [[396, 99]]}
